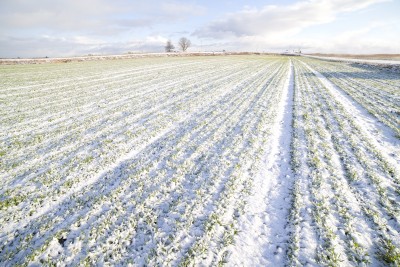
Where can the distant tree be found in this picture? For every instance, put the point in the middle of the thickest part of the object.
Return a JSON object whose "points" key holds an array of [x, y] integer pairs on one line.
{"points": [[184, 43], [169, 47]]}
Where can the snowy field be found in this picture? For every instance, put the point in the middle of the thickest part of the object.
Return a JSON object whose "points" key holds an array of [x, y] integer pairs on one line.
{"points": [[394, 61], [235, 160]]}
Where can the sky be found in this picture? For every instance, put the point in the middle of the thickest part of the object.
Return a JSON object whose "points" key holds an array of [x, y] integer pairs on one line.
{"points": [[58, 28]]}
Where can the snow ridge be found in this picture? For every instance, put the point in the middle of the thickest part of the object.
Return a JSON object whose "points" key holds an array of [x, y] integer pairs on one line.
{"points": [[263, 236], [378, 134]]}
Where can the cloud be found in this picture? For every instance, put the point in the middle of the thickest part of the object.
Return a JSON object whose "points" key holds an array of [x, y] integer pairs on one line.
{"points": [[74, 27], [135, 22], [96, 17], [180, 10], [13, 47], [78, 27], [55, 15], [278, 21], [362, 41]]}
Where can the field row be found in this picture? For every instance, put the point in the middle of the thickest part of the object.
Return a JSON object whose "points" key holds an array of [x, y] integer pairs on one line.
{"points": [[346, 190], [244, 160], [188, 141]]}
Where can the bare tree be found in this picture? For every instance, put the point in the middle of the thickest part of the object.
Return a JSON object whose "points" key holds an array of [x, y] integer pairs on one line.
{"points": [[169, 47], [184, 43]]}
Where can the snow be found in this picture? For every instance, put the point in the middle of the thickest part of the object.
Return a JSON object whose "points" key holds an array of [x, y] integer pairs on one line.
{"points": [[366, 61], [263, 238], [379, 134], [242, 160]]}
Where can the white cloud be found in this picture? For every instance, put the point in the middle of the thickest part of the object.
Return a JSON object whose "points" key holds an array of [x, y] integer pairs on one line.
{"points": [[279, 21], [75, 46], [55, 15], [360, 41], [180, 10], [158, 39], [76, 27], [95, 17]]}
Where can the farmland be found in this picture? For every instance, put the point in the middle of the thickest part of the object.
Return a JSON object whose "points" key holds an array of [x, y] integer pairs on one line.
{"points": [[249, 160]]}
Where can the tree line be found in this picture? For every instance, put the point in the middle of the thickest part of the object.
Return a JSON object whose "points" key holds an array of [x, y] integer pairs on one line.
{"points": [[184, 43]]}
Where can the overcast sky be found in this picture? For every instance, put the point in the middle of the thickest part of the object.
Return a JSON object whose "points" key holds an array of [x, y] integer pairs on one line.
{"points": [[38, 28]]}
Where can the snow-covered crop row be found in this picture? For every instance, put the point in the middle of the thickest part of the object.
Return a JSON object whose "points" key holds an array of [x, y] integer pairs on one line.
{"points": [[345, 208], [237, 160], [143, 165], [377, 91]]}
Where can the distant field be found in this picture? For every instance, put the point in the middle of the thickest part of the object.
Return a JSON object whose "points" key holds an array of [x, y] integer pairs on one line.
{"points": [[246, 160], [14, 61], [371, 56]]}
